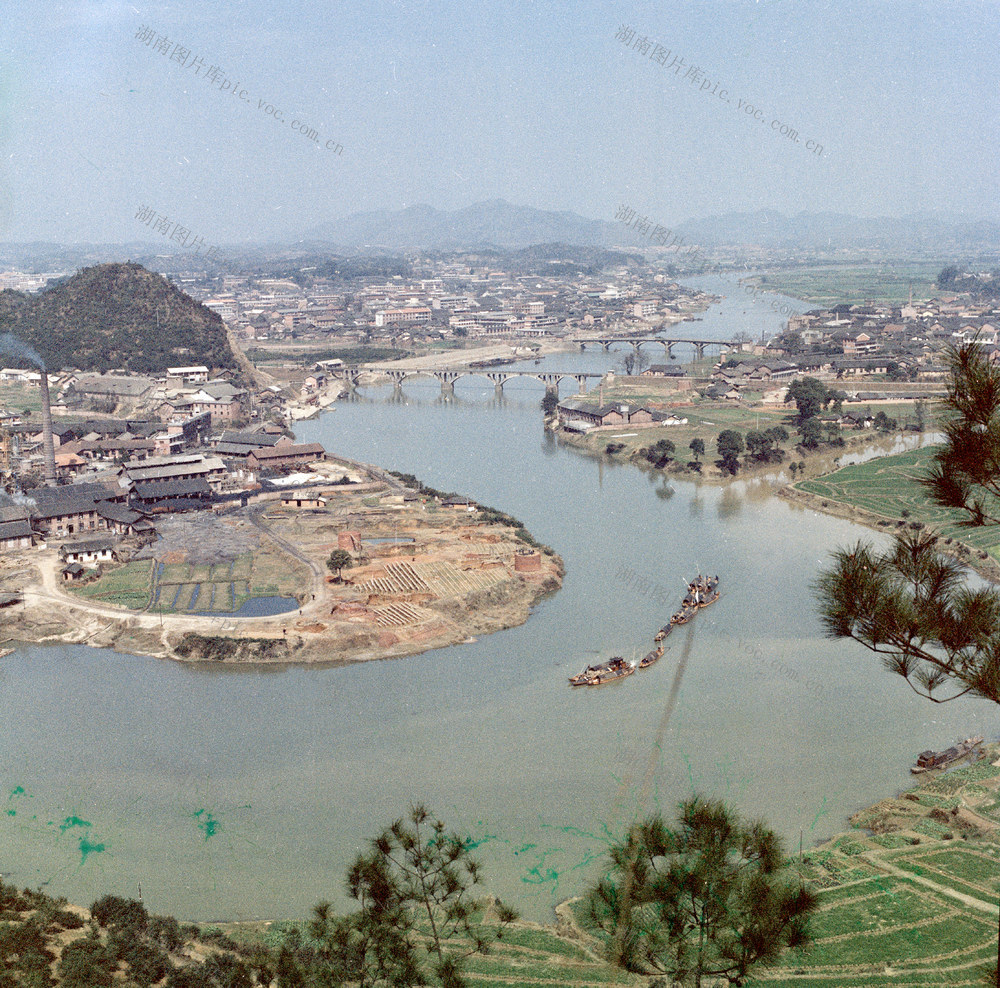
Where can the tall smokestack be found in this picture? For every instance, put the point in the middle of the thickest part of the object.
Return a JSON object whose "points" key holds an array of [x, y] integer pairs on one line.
{"points": [[48, 446]]}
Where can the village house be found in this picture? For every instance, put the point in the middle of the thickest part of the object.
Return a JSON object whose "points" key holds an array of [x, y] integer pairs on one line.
{"points": [[15, 528], [71, 509], [159, 496], [184, 467], [73, 572], [285, 454], [576, 414], [187, 375], [88, 551], [663, 370], [303, 499]]}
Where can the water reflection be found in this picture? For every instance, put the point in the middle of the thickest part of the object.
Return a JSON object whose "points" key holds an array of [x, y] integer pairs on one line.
{"points": [[730, 502]]}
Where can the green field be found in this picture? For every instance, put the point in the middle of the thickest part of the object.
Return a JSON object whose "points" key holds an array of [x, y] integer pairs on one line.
{"points": [[831, 284], [888, 486], [218, 588], [889, 908]]}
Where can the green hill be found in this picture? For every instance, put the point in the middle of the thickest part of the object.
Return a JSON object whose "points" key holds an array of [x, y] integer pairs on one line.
{"points": [[116, 316]]}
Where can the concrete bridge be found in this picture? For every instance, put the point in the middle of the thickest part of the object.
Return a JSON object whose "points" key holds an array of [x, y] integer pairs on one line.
{"points": [[449, 375], [667, 344]]}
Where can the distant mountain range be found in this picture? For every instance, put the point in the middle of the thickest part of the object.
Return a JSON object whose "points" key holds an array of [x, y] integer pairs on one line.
{"points": [[494, 224], [501, 225]]}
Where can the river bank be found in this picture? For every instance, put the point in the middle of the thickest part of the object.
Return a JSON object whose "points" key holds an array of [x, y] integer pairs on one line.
{"points": [[884, 493]]}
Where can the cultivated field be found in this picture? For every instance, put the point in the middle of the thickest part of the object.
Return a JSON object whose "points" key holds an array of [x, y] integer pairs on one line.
{"points": [[908, 898], [888, 487], [184, 587], [835, 283]]}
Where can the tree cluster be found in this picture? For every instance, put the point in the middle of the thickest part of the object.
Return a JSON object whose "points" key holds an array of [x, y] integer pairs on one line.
{"points": [[953, 279], [729, 446], [659, 454], [708, 897], [116, 316], [763, 446], [415, 922], [812, 397]]}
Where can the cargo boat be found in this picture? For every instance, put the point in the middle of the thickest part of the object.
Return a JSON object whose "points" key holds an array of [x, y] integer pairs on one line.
{"points": [[647, 660], [927, 761], [607, 672]]}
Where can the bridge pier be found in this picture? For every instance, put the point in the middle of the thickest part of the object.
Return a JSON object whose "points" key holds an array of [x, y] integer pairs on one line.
{"points": [[606, 345], [499, 379], [447, 379], [699, 349], [581, 383], [397, 378]]}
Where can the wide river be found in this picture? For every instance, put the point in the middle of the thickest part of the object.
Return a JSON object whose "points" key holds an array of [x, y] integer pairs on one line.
{"points": [[239, 793]]}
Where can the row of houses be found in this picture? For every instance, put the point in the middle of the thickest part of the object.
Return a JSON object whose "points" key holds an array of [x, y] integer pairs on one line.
{"points": [[578, 415]]}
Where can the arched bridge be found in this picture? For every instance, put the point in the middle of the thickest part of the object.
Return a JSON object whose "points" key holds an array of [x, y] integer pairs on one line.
{"points": [[667, 344], [449, 375]]}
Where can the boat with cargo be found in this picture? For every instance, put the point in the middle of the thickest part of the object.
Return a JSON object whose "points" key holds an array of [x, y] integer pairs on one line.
{"points": [[647, 660], [928, 761], [617, 667]]}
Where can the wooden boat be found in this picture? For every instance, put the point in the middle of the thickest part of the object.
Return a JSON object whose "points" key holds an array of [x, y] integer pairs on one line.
{"points": [[663, 632], [647, 660], [927, 761], [582, 678], [709, 599], [608, 672], [684, 615], [4, 652]]}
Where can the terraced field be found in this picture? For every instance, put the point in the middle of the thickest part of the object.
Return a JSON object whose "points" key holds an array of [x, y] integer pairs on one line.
{"points": [[441, 578], [912, 902], [888, 486]]}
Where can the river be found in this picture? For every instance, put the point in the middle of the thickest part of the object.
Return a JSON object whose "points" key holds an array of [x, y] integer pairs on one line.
{"points": [[241, 793]]}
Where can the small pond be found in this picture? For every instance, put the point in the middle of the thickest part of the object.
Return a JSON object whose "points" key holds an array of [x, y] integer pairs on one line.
{"points": [[256, 607]]}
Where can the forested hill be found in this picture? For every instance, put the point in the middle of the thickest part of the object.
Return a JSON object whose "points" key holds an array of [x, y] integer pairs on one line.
{"points": [[106, 316]]}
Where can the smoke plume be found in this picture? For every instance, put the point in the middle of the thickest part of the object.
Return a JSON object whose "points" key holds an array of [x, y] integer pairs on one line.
{"points": [[9, 343]]}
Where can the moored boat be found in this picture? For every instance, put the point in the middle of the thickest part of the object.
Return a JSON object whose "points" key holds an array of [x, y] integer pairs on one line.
{"points": [[927, 761], [710, 598], [663, 632], [683, 615]]}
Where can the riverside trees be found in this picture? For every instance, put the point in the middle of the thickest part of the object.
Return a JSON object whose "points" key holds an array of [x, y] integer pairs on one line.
{"points": [[966, 470], [707, 897], [909, 604], [413, 889]]}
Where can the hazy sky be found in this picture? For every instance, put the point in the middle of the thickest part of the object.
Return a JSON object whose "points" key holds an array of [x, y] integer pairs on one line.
{"points": [[451, 103]]}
